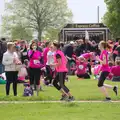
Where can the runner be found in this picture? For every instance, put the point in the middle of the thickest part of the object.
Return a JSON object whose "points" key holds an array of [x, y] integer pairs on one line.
{"points": [[59, 81], [105, 70]]}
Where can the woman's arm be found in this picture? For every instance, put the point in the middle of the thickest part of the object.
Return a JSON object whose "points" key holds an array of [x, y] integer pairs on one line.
{"points": [[102, 61], [59, 61], [68, 57]]}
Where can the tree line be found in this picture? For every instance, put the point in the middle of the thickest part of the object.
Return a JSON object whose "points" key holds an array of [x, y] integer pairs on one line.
{"points": [[45, 18]]}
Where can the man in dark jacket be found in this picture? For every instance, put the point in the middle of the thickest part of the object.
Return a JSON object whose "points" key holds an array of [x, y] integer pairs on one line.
{"points": [[68, 51], [3, 49]]}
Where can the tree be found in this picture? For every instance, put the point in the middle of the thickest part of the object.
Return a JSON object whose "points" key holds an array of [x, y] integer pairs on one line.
{"points": [[39, 14], [20, 32], [13, 27], [112, 16], [51, 34], [15, 31]]}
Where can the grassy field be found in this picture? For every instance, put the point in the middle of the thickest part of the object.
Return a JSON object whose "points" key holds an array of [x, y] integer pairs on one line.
{"points": [[81, 89], [63, 111]]}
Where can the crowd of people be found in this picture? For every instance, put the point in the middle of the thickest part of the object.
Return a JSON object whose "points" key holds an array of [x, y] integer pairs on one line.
{"points": [[54, 61]]}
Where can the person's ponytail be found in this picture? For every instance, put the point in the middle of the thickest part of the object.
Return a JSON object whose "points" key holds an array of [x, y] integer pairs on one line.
{"points": [[105, 45]]}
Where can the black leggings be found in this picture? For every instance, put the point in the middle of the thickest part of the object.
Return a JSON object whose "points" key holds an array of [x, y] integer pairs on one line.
{"points": [[85, 76], [11, 77], [34, 74], [102, 78], [59, 82], [49, 75]]}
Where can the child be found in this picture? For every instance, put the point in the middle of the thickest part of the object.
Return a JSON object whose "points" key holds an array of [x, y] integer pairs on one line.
{"points": [[82, 69], [22, 74], [105, 70], [61, 70], [50, 69], [28, 91], [116, 71]]}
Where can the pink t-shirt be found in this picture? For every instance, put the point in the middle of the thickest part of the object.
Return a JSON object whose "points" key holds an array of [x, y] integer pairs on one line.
{"points": [[35, 59], [81, 68], [115, 71], [106, 66], [62, 67], [87, 55], [46, 50]]}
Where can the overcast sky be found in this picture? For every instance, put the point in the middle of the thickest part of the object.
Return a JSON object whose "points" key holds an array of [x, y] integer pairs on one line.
{"points": [[84, 11]]}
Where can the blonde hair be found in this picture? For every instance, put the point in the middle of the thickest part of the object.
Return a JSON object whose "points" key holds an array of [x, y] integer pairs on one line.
{"points": [[104, 44], [9, 45]]}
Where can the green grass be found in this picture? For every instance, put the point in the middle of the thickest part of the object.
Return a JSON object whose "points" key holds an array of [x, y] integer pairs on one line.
{"points": [[81, 89], [63, 111]]}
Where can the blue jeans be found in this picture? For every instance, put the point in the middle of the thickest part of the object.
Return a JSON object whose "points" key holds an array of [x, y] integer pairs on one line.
{"points": [[1, 69]]}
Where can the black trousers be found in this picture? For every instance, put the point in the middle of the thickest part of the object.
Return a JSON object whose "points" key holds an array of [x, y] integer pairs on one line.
{"points": [[102, 78], [89, 68], [34, 74], [85, 76], [59, 81], [114, 56], [11, 77]]}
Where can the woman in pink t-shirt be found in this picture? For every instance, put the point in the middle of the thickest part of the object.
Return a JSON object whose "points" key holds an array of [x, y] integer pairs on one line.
{"points": [[82, 68], [105, 70], [34, 65], [88, 56], [61, 69]]}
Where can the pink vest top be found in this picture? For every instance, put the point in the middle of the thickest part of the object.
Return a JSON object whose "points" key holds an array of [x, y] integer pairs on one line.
{"points": [[62, 67]]}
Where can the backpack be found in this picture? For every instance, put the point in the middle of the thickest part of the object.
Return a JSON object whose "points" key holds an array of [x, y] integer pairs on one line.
{"points": [[28, 91]]}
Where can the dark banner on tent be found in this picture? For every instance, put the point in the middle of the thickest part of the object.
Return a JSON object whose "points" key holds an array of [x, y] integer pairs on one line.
{"points": [[85, 25]]}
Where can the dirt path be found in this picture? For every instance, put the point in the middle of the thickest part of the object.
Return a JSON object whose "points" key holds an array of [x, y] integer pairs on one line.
{"points": [[34, 102]]}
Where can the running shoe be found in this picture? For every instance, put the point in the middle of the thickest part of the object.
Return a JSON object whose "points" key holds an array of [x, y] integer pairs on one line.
{"points": [[71, 99], [51, 85], [107, 99], [64, 97]]}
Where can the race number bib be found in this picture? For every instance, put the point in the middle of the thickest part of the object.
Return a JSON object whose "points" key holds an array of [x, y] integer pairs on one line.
{"points": [[81, 67], [24, 53], [36, 62]]}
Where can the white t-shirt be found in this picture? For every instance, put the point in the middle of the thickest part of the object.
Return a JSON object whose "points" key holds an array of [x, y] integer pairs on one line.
{"points": [[50, 58]]}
